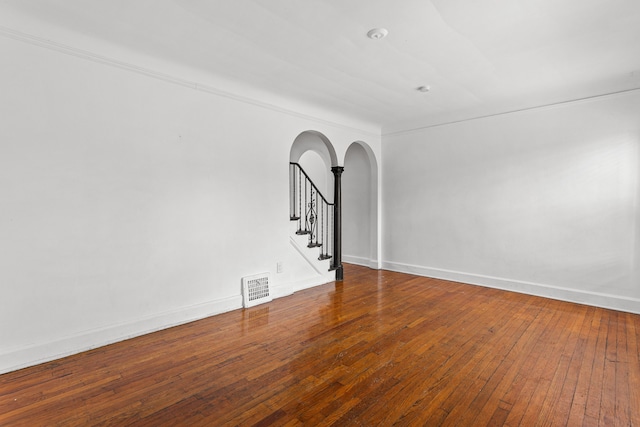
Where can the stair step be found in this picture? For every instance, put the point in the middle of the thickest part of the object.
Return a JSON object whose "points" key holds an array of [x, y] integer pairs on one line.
{"points": [[322, 257], [302, 232], [294, 218], [314, 245]]}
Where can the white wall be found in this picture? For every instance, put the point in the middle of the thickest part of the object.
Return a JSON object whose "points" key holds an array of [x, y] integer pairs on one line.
{"points": [[319, 173], [543, 201], [356, 207], [130, 203]]}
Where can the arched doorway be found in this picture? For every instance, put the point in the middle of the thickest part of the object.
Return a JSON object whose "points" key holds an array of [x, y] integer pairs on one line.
{"points": [[360, 206], [312, 185], [312, 140]]}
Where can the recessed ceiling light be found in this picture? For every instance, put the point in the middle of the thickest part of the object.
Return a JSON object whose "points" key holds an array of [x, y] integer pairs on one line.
{"points": [[423, 88], [377, 33]]}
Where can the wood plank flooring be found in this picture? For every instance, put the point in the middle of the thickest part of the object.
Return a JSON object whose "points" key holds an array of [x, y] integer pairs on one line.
{"points": [[378, 349]]}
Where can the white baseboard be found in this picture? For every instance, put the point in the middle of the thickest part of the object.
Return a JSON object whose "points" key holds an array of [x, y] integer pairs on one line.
{"points": [[24, 357], [282, 290], [316, 281], [45, 352], [40, 353], [357, 260], [597, 299], [292, 287]]}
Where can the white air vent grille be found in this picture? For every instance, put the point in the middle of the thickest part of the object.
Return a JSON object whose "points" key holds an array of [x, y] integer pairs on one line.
{"points": [[255, 289]]}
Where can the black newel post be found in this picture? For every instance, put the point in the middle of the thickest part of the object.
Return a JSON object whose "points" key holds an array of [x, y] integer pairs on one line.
{"points": [[337, 222]]}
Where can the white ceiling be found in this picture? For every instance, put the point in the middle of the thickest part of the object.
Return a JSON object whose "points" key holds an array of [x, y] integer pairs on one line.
{"points": [[479, 57]]}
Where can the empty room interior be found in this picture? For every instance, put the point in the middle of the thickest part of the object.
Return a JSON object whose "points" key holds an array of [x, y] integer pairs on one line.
{"points": [[323, 212]]}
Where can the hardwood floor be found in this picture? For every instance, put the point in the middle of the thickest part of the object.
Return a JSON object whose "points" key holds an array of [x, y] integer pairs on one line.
{"points": [[380, 348]]}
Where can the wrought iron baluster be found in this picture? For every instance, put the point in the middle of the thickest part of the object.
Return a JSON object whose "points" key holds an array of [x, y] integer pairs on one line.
{"points": [[327, 241], [308, 215], [321, 225], [328, 250], [293, 178], [333, 229], [314, 236], [316, 209], [300, 197], [292, 193]]}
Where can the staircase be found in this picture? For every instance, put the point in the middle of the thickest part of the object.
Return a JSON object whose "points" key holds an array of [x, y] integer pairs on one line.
{"points": [[313, 215]]}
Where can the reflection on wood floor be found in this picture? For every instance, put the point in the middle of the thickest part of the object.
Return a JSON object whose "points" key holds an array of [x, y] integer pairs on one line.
{"points": [[378, 349]]}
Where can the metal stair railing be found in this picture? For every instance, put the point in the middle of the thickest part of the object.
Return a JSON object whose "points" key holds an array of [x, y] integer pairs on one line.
{"points": [[313, 213]]}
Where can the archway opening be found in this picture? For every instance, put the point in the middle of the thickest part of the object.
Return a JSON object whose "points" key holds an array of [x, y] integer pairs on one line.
{"points": [[311, 202], [315, 153], [360, 206]]}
